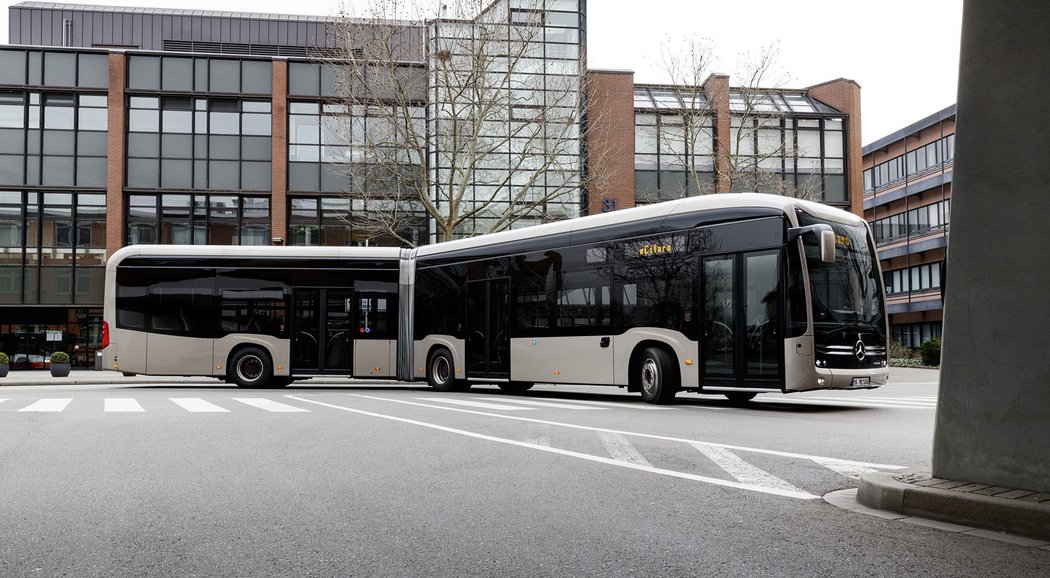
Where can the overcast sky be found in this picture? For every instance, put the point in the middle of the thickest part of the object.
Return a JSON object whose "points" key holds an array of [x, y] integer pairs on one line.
{"points": [[903, 53]]}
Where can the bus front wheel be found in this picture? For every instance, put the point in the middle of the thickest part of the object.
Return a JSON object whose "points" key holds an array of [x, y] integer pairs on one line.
{"points": [[657, 376], [441, 372], [250, 367]]}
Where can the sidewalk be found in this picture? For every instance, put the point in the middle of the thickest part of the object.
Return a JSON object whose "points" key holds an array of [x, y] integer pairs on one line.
{"points": [[915, 496]]}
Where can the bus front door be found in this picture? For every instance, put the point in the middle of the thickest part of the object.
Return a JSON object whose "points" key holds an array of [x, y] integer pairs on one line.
{"points": [[741, 337], [322, 340], [488, 329]]}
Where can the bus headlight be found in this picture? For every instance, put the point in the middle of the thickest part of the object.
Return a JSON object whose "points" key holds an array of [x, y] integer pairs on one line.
{"points": [[820, 381]]}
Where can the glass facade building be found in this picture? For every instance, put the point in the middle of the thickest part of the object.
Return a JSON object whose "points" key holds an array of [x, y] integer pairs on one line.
{"points": [[137, 125]]}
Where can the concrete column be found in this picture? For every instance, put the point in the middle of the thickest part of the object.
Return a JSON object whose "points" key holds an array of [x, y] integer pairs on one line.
{"points": [[279, 152], [115, 229], [610, 140], [993, 417]]}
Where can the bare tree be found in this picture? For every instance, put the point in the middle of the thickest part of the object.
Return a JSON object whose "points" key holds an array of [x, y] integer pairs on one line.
{"points": [[456, 117], [757, 152]]}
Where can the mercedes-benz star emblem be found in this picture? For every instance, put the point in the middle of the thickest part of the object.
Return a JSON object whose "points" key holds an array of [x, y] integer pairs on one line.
{"points": [[858, 350]]}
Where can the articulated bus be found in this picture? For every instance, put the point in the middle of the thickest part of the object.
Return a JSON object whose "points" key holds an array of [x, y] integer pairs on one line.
{"points": [[255, 316], [735, 294]]}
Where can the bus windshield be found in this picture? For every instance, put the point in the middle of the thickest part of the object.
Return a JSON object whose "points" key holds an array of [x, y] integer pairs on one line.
{"points": [[846, 293]]}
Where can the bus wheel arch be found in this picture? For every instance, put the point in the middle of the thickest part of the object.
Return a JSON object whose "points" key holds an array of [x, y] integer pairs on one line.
{"points": [[250, 365], [654, 373]]}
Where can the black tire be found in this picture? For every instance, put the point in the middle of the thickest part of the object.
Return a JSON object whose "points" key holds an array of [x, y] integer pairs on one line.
{"points": [[515, 386], [128, 374], [281, 381], [441, 371], [657, 375], [740, 396], [250, 367]]}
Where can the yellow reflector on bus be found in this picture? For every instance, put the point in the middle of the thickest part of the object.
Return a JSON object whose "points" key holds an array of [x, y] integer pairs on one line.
{"points": [[688, 361], [556, 372]]}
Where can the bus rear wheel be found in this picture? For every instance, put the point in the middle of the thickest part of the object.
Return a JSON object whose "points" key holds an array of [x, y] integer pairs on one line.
{"points": [[250, 367], [657, 375], [515, 386], [441, 373]]}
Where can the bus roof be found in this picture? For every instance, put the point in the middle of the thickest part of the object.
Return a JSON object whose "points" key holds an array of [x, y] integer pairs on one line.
{"points": [[257, 251], [657, 210]]}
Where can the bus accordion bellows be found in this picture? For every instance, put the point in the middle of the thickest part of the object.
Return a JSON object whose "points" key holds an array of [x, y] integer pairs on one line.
{"points": [[734, 294]]}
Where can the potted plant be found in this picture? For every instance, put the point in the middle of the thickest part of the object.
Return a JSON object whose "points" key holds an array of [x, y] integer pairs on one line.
{"points": [[4, 364], [60, 364]]}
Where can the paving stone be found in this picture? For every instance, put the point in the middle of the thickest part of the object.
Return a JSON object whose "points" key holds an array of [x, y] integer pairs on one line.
{"points": [[930, 482], [1014, 494], [970, 488], [1009, 538], [1036, 498], [992, 491]]}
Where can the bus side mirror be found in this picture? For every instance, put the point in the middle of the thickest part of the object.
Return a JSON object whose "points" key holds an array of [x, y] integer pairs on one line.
{"points": [[825, 236]]}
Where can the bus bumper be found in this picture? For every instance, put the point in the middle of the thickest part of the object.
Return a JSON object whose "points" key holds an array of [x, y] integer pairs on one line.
{"points": [[846, 379]]}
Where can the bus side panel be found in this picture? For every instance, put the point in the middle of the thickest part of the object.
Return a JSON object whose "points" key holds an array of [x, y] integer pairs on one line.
{"points": [[372, 358], [175, 355], [562, 360], [279, 350], [422, 349], [799, 372], [126, 351], [684, 349]]}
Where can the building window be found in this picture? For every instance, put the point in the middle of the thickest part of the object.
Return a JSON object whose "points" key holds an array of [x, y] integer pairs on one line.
{"points": [[916, 163], [195, 219], [182, 142], [673, 151], [917, 279], [921, 221]]}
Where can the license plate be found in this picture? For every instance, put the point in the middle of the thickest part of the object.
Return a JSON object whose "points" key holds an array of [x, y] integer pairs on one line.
{"points": [[860, 382]]}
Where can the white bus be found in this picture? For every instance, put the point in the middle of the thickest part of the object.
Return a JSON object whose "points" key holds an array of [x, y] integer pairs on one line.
{"points": [[255, 316], [735, 294]]}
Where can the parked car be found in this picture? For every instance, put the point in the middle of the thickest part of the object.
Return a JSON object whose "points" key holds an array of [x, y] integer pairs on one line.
{"points": [[23, 361]]}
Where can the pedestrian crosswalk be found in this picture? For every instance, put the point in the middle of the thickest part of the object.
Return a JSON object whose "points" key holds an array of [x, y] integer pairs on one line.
{"points": [[132, 405], [846, 399]]}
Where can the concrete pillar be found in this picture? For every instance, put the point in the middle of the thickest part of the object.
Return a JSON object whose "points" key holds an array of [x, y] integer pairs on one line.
{"points": [[993, 417]]}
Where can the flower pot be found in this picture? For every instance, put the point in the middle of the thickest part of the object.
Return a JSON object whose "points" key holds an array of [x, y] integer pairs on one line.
{"points": [[60, 369], [3, 370]]}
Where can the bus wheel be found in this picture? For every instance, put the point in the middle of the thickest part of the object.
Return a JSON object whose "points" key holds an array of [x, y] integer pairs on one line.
{"points": [[515, 386], [441, 374], [740, 396], [657, 376], [250, 367]]}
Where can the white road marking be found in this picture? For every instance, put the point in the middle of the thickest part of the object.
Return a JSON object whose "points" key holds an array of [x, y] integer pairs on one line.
{"points": [[3, 400], [741, 470], [622, 405], [890, 400], [850, 470], [626, 433], [621, 450], [538, 434], [269, 404], [568, 453], [122, 404], [843, 403], [475, 404], [197, 405], [548, 404], [48, 405]]}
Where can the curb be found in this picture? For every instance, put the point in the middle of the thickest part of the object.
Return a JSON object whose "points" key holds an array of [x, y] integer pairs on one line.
{"points": [[899, 493]]}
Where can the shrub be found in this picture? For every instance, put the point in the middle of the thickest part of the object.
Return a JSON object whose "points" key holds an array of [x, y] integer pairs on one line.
{"points": [[60, 357], [3, 358], [931, 352], [899, 351]]}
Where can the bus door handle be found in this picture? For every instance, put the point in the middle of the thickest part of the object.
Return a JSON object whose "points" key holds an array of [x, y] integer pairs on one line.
{"points": [[604, 342]]}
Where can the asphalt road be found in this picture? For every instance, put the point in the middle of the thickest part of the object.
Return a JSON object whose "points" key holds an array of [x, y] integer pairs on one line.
{"points": [[373, 479]]}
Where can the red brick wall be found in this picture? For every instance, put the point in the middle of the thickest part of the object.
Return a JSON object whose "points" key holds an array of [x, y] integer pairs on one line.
{"points": [[610, 139], [279, 159], [115, 156], [716, 89], [844, 95]]}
